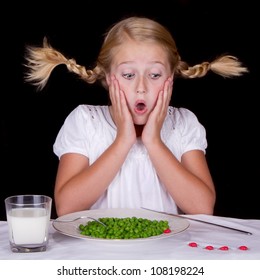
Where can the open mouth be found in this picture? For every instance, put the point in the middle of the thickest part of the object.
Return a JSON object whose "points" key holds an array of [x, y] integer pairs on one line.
{"points": [[140, 107]]}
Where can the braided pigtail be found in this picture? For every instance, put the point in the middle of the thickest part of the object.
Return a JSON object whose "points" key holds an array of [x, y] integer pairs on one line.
{"points": [[42, 60], [226, 65]]}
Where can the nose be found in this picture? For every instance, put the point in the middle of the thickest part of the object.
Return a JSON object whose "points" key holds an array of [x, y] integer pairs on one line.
{"points": [[141, 89]]}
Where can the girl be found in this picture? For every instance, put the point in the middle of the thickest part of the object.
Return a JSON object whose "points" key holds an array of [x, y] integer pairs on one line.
{"points": [[138, 151]]}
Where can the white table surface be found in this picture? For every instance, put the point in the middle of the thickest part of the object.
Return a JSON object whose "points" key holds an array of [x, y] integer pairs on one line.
{"points": [[62, 247]]}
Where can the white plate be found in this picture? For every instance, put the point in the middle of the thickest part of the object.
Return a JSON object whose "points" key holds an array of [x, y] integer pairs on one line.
{"points": [[71, 229]]}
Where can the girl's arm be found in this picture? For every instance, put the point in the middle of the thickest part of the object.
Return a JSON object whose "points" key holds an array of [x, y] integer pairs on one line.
{"points": [[78, 185], [189, 182]]}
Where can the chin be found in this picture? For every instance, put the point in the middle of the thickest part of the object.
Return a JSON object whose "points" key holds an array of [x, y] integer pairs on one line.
{"points": [[140, 119], [140, 122]]}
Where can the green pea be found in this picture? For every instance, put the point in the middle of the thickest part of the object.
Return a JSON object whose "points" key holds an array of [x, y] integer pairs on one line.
{"points": [[124, 228]]}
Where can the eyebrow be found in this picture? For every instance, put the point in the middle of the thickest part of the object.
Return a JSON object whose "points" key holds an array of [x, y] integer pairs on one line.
{"points": [[131, 62]]}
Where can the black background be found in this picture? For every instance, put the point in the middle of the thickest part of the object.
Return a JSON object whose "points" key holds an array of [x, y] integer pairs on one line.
{"points": [[228, 108]]}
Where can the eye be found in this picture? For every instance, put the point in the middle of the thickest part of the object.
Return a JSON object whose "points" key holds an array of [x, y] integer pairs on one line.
{"points": [[128, 76], [155, 76]]}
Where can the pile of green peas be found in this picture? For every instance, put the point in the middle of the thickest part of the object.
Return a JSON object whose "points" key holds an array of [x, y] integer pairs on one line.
{"points": [[124, 228]]}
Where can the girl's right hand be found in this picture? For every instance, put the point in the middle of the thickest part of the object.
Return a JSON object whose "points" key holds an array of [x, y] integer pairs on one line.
{"points": [[121, 114]]}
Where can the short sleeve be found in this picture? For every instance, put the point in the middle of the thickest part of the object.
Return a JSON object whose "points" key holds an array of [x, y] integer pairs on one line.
{"points": [[72, 135], [193, 133]]}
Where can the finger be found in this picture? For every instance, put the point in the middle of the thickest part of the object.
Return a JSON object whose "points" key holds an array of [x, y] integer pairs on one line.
{"points": [[115, 95], [112, 89], [167, 93]]}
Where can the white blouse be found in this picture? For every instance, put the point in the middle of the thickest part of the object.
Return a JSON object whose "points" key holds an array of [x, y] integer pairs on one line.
{"points": [[89, 130]]}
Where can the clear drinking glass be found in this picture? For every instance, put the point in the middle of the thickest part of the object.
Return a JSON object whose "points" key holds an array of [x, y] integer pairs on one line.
{"points": [[28, 218]]}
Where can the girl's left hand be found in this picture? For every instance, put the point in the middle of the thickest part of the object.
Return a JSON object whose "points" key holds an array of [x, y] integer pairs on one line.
{"points": [[152, 128]]}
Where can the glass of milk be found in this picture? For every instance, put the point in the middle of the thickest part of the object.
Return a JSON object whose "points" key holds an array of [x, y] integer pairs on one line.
{"points": [[28, 218]]}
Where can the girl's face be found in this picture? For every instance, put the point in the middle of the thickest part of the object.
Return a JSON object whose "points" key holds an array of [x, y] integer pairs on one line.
{"points": [[141, 70]]}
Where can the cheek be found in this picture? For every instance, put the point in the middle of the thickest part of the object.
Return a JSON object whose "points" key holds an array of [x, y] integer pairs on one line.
{"points": [[155, 89], [127, 87], [123, 83], [153, 94]]}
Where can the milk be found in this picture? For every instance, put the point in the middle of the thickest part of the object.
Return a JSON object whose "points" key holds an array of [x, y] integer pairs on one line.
{"points": [[28, 225]]}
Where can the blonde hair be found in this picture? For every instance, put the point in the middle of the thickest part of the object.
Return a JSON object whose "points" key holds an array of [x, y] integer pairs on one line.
{"points": [[42, 60]]}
